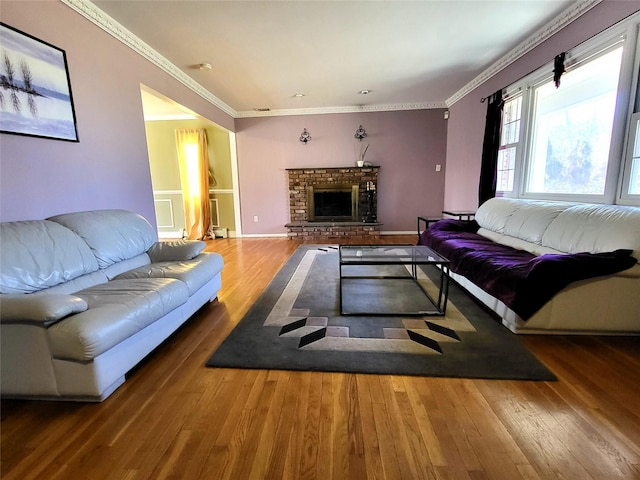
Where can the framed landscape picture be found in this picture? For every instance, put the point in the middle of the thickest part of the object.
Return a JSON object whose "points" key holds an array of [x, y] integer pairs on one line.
{"points": [[35, 91]]}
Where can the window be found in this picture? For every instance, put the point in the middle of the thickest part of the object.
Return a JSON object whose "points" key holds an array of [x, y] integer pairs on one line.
{"points": [[566, 143], [631, 187], [571, 129], [509, 139]]}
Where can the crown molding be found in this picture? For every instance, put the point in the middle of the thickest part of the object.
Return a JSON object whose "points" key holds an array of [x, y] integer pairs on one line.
{"points": [[92, 13], [547, 31], [344, 109]]}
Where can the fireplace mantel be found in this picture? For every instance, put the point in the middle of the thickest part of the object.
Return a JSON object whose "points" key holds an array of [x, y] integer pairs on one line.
{"points": [[315, 169], [300, 178]]}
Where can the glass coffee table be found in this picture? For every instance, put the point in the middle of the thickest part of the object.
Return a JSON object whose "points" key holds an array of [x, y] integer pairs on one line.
{"points": [[384, 280]]}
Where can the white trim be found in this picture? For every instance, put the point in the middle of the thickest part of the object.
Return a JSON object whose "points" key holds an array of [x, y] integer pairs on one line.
{"points": [[400, 232], [167, 192], [344, 109], [92, 13], [233, 152], [547, 31], [622, 33], [166, 234], [156, 202], [633, 116], [264, 235], [625, 197], [179, 192], [213, 205], [278, 235]]}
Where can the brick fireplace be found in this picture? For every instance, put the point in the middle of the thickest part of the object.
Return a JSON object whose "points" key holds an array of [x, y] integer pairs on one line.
{"points": [[348, 208]]}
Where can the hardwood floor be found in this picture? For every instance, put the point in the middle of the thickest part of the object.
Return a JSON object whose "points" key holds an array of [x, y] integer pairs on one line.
{"points": [[176, 419]]}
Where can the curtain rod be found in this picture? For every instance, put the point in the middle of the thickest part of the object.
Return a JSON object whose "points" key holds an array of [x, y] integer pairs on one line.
{"points": [[504, 94], [483, 99]]}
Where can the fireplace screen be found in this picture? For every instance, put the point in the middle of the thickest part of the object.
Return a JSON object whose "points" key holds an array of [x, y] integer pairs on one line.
{"points": [[332, 203]]}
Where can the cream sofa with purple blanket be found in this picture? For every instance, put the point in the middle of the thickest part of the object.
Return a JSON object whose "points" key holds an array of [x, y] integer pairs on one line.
{"points": [[548, 267], [85, 296]]}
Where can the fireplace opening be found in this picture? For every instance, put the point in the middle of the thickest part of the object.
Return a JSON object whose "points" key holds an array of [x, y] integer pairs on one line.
{"points": [[332, 203]]}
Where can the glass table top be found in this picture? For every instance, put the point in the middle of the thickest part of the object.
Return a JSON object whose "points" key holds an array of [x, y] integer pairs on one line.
{"points": [[389, 254]]}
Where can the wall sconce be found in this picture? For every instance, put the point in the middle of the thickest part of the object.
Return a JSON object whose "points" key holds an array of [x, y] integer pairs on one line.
{"points": [[304, 136], [360, 133]]}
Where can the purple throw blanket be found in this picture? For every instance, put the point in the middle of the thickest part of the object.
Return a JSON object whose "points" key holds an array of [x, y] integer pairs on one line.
{"points": [[522, 281]]}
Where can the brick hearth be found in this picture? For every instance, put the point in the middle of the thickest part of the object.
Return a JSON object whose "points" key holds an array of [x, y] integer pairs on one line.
{"points": [[299, 226]]}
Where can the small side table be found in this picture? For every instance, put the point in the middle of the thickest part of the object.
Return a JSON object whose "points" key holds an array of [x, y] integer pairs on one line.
{"points": [[468, 216], [427, 221]]}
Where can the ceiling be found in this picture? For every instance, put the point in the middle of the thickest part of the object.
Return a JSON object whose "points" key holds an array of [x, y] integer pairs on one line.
{"points": [[407, 54]]}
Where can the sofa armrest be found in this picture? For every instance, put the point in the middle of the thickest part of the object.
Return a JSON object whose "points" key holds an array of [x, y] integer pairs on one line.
{"points": [[43, 310], [175, 251]]}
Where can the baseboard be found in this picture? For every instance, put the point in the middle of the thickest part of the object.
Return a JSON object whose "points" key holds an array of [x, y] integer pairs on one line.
{"points": [[401, 232], [279, 235], [263, 235]]}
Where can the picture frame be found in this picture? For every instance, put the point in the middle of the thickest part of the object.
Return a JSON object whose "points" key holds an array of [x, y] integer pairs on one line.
{"points": [[35, 89]]}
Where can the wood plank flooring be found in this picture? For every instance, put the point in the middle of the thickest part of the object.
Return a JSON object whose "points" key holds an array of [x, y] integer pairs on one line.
{"points": [[176, 419]]}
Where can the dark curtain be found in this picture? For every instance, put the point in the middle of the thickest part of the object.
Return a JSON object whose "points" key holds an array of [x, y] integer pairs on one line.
{"points": [[488, 169], [558, 68]]}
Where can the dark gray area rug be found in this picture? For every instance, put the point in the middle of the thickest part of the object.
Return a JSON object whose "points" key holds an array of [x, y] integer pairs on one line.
{"points": [[296, 325]]}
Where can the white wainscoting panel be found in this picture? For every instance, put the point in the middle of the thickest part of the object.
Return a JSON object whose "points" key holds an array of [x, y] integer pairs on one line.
{"points": [[164, 212]]}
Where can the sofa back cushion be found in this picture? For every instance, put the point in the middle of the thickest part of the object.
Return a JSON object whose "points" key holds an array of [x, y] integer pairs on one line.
{"points": [[595, 228], [560, 227], [518, 223], [523, 219], [113, 235], [494, 213], [39, 254], [531, 219]]}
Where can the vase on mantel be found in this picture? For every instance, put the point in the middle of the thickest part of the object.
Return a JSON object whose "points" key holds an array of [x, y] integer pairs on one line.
{"points": [[363, 152]]}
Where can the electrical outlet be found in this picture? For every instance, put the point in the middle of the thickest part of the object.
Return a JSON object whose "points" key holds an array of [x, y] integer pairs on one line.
{"points": [[255, 218], [438, 167]]}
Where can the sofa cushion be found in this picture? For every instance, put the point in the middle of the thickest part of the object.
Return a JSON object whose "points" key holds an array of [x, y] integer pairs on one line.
{"points": [[39, 254], [518, 223], [39, 309], [176, 250], [79, 283], [595, 228], [117, 310], [194, 273], [116, 269], [531, 219], [521, 280], [495, 212], [112, 235]]}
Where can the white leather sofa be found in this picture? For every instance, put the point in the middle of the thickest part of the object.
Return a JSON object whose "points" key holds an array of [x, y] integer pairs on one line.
{"points": [[604, 304], [85, 296]]}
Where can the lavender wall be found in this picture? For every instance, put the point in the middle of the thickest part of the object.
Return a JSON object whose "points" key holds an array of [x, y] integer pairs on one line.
{"points": [[109, 167], [407, 145], [467, 116]]}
